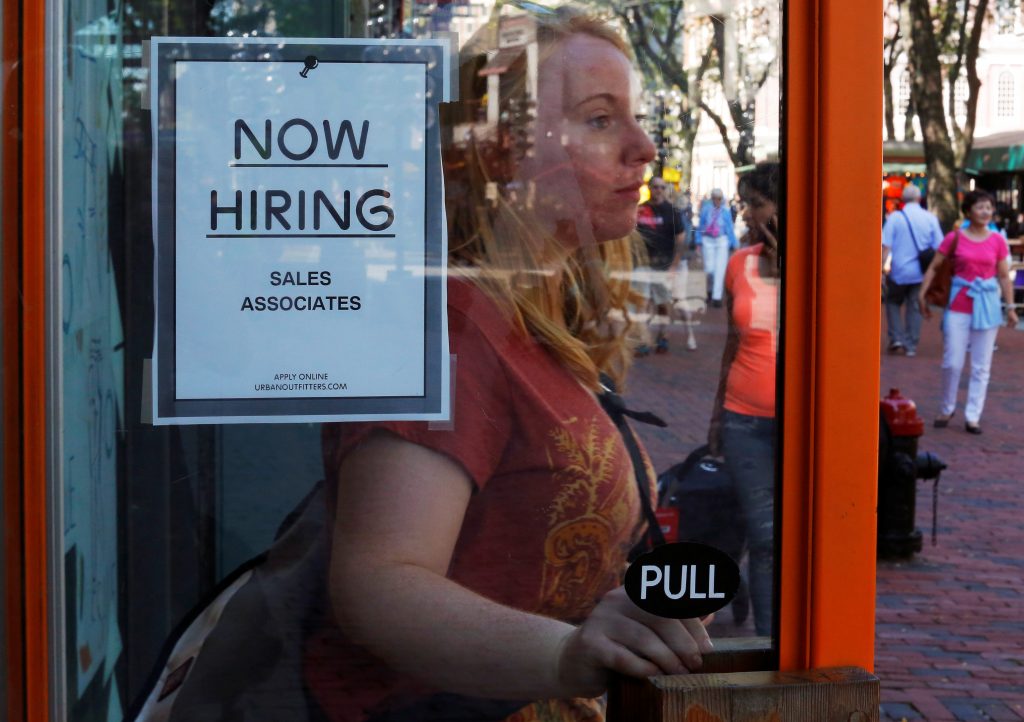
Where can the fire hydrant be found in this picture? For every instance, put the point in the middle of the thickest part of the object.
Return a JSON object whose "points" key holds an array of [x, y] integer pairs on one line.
{"points": [[899, 467]]}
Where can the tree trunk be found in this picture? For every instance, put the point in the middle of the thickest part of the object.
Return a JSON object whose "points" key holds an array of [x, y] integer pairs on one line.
{"points": [[927, 93], [891, 52], [651, 41], [743, 118], [723, 131], [686, 160], [741, 105], [909, 132], [890, 123], [964, 139]]}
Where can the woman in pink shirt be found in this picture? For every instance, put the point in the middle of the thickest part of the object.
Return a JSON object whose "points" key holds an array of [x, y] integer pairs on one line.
{"points": [[980, 272]]}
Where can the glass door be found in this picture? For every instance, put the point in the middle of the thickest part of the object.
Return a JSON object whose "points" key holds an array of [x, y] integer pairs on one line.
{"points": [[146, 510], [154, 519]]}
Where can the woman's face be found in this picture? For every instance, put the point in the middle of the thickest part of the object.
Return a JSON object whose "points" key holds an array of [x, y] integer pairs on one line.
{"points": [[590, 151], [981, 212], [758, 213]]}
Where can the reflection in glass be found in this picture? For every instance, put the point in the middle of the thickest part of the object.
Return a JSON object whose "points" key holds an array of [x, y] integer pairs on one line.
{"points": [[743, 419], [153, 518], [713, 112], [522, 514], [157, 517]]}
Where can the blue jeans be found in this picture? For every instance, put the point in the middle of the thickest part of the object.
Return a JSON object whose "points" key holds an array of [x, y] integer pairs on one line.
{"points": [[748, 445], [903, 330]]}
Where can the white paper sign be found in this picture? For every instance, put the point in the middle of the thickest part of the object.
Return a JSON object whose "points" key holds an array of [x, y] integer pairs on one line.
{"points": [[300, 241]]}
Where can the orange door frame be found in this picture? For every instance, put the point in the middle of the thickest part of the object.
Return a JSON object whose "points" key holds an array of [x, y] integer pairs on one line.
{"points": [[831, 363], [10, 255], [24, 356], [833, 157]]}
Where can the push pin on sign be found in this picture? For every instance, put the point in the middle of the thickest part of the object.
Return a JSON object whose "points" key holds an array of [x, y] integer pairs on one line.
{"points": [[310, 62]]}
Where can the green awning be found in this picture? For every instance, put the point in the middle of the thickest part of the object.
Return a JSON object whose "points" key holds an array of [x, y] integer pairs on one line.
{"points": [[903, 167], [1001, 153]]}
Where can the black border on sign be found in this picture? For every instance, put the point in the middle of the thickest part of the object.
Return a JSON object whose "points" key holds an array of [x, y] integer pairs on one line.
{"points": [[168, 405]]}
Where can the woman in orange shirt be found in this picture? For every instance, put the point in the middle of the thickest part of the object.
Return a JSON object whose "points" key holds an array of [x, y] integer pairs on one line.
{"points": [[743, 421]]}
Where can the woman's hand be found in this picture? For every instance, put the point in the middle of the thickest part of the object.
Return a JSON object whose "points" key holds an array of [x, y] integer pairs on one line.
{"points": [[619, 636], [1003, 273], [922, 303], [399, 513], [926, 283], [766, 235]]}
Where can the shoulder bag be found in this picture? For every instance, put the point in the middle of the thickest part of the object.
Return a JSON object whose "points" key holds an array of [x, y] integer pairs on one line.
{"points": [[615, 407], [925, 256], [938, 292]]}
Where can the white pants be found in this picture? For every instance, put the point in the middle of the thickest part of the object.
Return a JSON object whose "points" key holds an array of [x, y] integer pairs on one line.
{"points": [[958, 334], [716, 257]]}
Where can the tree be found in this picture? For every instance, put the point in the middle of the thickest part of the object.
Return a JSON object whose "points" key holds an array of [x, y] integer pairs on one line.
{"points": [[655, 31], [741, 74], [945, 43], [893, 47]]}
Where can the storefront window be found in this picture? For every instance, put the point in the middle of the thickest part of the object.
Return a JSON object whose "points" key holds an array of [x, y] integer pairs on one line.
{"points": [[544, 140]]}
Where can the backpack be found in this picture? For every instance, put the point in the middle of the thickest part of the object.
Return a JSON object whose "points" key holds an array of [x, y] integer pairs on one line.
{"points": [[701, 490], [238, 655]]}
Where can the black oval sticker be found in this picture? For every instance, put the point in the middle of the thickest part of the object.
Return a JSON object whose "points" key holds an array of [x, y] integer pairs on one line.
{"points": [[682, 580]]}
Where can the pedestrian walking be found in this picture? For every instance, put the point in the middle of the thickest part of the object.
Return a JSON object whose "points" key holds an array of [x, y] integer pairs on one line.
{"points": [[908, 236], [663, 230], [981, 271], [716, 238]]}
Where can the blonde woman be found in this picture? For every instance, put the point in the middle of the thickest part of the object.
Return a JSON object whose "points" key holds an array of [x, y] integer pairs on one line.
{"points": [[475, 570]]}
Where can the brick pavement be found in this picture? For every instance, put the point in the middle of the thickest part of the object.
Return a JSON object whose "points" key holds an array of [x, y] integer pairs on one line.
{"points": [[949, 639], [950, 622]]}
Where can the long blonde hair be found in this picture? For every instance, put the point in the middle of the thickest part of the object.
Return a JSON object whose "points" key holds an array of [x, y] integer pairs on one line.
{"points": [[565, 300]]}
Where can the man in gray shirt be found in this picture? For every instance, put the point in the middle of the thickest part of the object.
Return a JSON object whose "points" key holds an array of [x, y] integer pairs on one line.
{"points": [[905, 235]]}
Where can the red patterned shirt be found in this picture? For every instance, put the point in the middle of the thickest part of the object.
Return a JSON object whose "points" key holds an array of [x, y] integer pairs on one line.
{"points": [[554, 513]]}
